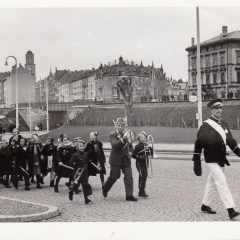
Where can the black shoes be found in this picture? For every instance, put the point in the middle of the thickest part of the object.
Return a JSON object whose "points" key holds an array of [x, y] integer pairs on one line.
{"points": [[70, 195], [56, 189], [132, 198], [142, 193], [41, 180], [232, 213], [15, 184], [77, 191], [104, 193], [207, 209], [7, 185], [52, 184], [88, 201], [39, 187], [27, 188]]}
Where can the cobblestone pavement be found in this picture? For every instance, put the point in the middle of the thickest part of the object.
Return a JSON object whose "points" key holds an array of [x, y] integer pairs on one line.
{"points": [[9, 207], [175, 195]]}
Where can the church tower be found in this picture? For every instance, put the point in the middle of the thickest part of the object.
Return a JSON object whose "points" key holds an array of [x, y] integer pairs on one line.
{"points": [[30, 66]]}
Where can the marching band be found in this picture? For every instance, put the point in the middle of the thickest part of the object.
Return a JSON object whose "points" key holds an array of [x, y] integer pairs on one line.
{"points": [[75, 161], [78, 161]]}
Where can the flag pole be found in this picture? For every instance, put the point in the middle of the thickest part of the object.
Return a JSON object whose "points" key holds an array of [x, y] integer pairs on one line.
{"points": [[199, 81]]}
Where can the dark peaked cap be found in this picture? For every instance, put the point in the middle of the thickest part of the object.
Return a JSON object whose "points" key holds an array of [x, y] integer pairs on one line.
{"points": [[214, 103]]}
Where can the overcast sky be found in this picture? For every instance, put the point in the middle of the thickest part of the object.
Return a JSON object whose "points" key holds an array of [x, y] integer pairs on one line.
{"points": [[80, 38]]}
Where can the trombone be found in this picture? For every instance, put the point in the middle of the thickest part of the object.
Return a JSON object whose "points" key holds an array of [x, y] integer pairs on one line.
{"points": [[150, 155]]}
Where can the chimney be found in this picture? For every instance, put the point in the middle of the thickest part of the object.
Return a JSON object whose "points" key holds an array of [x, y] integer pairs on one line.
{"points": [[109, 64], [132, 62], [192, 41], [224, 30]]}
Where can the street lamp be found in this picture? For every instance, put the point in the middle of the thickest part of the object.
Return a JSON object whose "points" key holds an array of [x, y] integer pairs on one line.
{"points": [[30, 125], [6, 64], [47, 118]]}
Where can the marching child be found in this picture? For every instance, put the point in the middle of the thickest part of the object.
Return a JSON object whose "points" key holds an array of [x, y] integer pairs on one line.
{"points": [[97, 157], [5, 162], [21, 164], [141, 157], [79, 161], [49, 152]]}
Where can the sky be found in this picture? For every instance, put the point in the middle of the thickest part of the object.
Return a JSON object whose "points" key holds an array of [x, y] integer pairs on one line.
{"points": [[78, 37]]}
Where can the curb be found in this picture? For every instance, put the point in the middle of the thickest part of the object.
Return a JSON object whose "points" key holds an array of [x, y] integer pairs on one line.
{"points": [[52, 211]]}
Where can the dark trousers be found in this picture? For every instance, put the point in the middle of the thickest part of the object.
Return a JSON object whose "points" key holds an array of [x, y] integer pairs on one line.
{"points": [[83, 180], [115, 174], [142, 169]]}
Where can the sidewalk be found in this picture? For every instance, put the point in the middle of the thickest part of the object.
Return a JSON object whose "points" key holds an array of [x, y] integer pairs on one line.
{"points": [[15, 210]]}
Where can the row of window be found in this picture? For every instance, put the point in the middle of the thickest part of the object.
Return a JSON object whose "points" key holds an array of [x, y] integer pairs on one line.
{"points": [[215, 60]]}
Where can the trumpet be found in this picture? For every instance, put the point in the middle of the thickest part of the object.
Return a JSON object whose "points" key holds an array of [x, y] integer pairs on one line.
{"points": [[78, 175]]}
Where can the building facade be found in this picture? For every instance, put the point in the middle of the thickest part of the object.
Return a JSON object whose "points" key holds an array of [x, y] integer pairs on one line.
{"points": [[148, 82], [25, 79], [220, 66]]}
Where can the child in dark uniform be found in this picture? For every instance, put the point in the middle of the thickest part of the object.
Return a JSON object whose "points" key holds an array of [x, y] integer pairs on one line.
{"points": [[79, 161], [141, 157]]}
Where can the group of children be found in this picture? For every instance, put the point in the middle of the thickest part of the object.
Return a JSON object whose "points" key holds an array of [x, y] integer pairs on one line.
{"points": [[73, 160]]}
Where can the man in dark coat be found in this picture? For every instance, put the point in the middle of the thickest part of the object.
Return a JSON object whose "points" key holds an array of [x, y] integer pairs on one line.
{"points": [[120, 159], [213, 136]]}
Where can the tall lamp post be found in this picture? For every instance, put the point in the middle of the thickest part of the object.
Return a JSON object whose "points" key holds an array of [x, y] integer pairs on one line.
{"points": [[30, 125], [6, 63], [47, 118]]}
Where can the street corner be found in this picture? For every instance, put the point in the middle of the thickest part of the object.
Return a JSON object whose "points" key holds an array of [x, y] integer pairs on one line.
{"points": [[16, 210]]}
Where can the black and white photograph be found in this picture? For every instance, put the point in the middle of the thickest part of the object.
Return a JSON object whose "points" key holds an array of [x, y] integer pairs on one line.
{"points": [[120, 120]]}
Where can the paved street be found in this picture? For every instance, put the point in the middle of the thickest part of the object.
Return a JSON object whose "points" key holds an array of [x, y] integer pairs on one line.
{"points": [[175, 195]]}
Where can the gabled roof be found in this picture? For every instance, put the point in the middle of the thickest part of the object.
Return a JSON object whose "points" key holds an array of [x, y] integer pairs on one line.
{"points": [[231, 35], [234, 36]]}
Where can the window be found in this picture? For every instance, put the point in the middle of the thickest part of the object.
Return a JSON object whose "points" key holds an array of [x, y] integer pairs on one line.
{"points": [[238, 57], [120, 73], [222, 59], [238, 77], [193, 63], [222, 77], [214, 60], [214, 77], [194, 80], [201, 62], [207, 61], [207, 78]]}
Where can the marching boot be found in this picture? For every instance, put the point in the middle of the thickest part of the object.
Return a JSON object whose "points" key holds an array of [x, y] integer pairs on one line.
{"points": [[207, 209], [15, 184], [27, 188], [87, 201], [51, 183], [56, 188], [102, 184], [232, 213], [7, 185], [41, 179], [38, 182], [77, 191], [70, 195], [142, 193]]}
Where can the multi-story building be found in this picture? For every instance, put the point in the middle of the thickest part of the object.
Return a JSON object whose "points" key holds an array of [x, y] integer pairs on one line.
{"points": [[220, 65], [3, 78], [148, 82], [25, 78]]}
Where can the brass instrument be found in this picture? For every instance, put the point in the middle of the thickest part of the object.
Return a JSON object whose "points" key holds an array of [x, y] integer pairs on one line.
{"points": [[150, 156], [78, 174]]}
